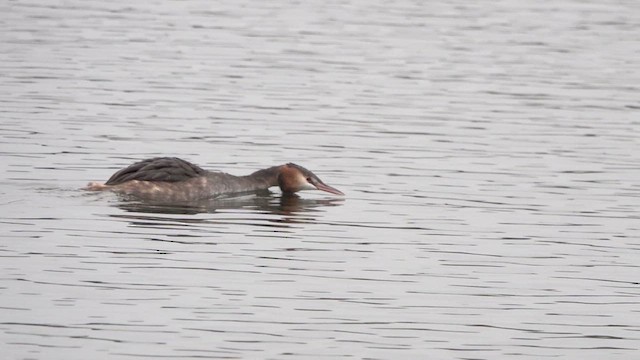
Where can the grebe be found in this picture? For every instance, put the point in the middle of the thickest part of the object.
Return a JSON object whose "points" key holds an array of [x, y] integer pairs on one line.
{"points": [[172, 179]]}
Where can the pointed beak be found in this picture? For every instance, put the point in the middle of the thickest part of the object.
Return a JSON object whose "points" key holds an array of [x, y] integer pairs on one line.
{"points": [[324, 187]]}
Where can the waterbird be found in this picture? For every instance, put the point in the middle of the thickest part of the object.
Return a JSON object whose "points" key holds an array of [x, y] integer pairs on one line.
{"points": [[171, 179]]}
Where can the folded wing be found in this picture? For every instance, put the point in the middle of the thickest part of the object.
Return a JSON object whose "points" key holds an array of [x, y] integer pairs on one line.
{"points": [[167, 169]]}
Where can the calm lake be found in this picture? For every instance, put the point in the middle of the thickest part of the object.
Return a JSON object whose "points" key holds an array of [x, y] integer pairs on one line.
{"points": [[489, 153]]}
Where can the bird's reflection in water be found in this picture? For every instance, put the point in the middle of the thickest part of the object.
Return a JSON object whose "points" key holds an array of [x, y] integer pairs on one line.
{"points": [[291, 208]]}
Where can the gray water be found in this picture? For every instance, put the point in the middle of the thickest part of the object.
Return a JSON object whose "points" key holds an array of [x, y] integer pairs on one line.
{"points": [[489, 152]]}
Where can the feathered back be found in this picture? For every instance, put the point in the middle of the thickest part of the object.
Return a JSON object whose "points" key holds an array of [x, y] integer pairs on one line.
{"points": [[167, 169]]}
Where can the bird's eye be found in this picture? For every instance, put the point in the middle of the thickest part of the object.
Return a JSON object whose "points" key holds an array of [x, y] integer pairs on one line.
{"points": [[309, 180]]}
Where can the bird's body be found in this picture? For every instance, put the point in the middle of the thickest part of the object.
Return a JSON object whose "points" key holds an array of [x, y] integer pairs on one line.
{"points": [[170, 179]]}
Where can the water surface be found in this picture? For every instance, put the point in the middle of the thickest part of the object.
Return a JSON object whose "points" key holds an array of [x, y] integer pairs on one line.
{"points": [[489, 153]]}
